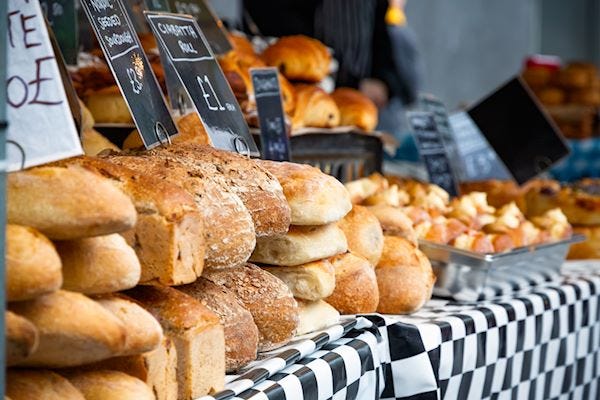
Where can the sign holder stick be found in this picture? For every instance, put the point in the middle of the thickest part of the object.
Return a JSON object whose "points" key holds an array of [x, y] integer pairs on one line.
{"points": [[3, 126]]}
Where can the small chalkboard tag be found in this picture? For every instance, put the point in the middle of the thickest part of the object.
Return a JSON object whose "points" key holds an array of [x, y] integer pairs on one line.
{"points": [[62, 18], [131, 69], [432, 150], [40, 125], [183, 43], [212, 27], [275, 144], [523, 136], [479, 161]]}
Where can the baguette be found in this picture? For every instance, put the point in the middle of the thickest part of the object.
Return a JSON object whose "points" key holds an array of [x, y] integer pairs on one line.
{"points": [[67, 203], [110, 385], [311, 281], [39, 385], [22, 338], [363, 233], [33, 267]]}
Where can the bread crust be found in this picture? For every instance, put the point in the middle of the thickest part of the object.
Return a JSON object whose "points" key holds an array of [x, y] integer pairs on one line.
{"points": [[314, 108], [590, 248], [363, 233], [39, 384], [316, 315], [22, 338], [110, 385], [312, 281], [107, 105], [355, 109]]}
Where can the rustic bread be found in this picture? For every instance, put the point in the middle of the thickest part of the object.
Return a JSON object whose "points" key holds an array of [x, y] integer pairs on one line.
{"points": [[394, 221], [268, 299], [231, 236], [74, 330], [314, 108], [24, 384], [299, 57], [241, 333], [197, 334], [22, 338], [315, 198], [169, 234], [67, 203], [260, 191], [356, 109], [301, 245], [316, 315], [311, 281], [355, 285], [189, 127], [109, 385], [33, 267], [404, 276], [100, 264], [93, 142], [363, 233]]}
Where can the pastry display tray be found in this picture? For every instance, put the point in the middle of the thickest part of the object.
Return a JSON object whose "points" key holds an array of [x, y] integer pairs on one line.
{"points": [[467, 276]]}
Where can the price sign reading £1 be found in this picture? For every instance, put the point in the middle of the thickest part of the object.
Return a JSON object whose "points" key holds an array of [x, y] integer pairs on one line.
{"points": [[131, 69], [180, 38]]}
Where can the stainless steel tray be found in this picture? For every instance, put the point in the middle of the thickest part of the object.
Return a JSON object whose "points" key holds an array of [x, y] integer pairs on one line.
{"points": [[466, 276]]}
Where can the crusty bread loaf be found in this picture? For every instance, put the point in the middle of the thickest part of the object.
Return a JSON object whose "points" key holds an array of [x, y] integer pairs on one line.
{"points": [[100, 264], [197, 334], [74, 330], [107, 105], [39, 384], [311, 281], [268, 299], [93, 142], [394, 222], [315, 108], [299, 57], [241, 333], [143, 333], [316, 315], [189, 127], [404, 276], [356, 109], [301, 245], [169, 234], [67, 203], [363, 233], [231, 236], [110, 385], [33, 267], [355, 285], [315, 198], [22, 338], [260, 191]]}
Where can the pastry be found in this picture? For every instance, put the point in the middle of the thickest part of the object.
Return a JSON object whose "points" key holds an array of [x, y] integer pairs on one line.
{"points": [[355, 109]]}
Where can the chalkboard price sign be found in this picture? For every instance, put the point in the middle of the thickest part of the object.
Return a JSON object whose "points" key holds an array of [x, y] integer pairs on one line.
{"points": [[62, 18], [131, 69], [185, 47], [432, 150], [273, 136]]}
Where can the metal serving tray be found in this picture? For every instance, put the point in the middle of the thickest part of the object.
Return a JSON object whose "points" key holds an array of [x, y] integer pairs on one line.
{"points": [[466, 276]]}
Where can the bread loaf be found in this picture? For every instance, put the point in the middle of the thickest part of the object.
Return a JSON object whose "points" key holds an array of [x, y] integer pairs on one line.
{"points": [[314, 197], [33, 267], [404, 276], [356, 289], [21, 338], [189, 127], [590, 248], [107, 105], [231, 237], [315, 108], [299, 57], [355, 109], [311, 281], [73, 330], [100, 264], [67, 203], [109, 385], [241, 333], [268, 299], [39, 384], [363, 234], [93, 142], [168, 237], [394, 222], [316, 315], [301, 245], [197, 334]]}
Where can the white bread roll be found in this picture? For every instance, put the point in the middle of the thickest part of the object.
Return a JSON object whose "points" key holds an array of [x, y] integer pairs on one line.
{"points": [[311, 281], [394, 222], [363, 233], [110, 385], [100, 264], [22, 338], [356, 289], [316, 315], [33, 267], [301, 245], [40, 385]]}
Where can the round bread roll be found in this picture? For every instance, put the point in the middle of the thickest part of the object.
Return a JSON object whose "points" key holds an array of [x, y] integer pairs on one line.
{"points": [[33, 267], [311, 281], [394, 222], [363, 233], [315, 198], [301, 245], [316, 315], [107, 105], [100, 264], [404, 277], [356, 288], [355, 109], [299, 58], [590, 248], [110, 385], [41, 385], [22, 338], [315, 108]]}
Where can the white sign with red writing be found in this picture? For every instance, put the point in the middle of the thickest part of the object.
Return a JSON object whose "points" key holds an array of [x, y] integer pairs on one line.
{"points": [[40, 125]]}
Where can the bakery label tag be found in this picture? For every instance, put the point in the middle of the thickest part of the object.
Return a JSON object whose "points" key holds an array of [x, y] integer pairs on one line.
{"points": [[274, 141], [185, 47], [62, 18], [40, 125], [131, 70], [432, 150]]}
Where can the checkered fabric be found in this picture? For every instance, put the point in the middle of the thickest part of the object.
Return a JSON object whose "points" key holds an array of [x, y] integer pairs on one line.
{"points": [[584, 160], [543, 344]]}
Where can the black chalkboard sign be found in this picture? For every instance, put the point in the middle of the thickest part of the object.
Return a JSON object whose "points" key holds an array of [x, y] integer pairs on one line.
{"points": [[62, 18], [185, 47], [131, 69], [275, 144], [432, 150]]}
